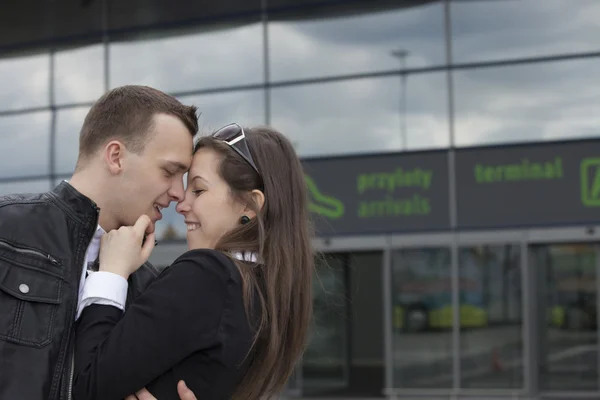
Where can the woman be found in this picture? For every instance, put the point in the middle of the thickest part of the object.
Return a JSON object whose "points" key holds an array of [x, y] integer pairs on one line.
{"points": [[230, 316]]}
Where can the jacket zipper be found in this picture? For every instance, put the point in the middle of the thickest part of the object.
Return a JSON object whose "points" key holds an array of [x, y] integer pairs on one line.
{"points": [[22, 250], [72, 372], [70, 392]]}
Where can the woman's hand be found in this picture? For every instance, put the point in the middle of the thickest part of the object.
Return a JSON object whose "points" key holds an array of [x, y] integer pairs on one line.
{"points": [[121, 250], [184, 393]]}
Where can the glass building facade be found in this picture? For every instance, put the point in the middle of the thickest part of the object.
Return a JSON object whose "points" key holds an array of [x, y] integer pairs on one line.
{"points": [[353, 77]]}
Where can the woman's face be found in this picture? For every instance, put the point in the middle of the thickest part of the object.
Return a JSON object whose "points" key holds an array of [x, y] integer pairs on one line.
{"points": [[208, 207]]}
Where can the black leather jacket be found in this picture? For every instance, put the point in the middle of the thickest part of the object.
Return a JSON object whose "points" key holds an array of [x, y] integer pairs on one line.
{"points": [[43, 242]]}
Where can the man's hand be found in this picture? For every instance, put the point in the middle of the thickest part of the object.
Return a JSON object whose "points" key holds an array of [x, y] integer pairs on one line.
{"points": [[184, 393]]}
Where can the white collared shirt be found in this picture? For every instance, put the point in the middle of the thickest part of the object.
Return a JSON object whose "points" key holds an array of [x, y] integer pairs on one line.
{"points": [[99, 287]]}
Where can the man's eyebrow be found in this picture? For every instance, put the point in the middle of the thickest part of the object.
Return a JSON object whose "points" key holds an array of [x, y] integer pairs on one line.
{"points": [[178, 165]]}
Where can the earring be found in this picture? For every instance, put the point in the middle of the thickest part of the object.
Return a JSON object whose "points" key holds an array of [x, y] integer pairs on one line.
{"points": [[245, 220]]}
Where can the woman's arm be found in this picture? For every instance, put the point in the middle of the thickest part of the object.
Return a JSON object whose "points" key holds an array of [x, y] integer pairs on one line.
{"points": [[118, 354]]}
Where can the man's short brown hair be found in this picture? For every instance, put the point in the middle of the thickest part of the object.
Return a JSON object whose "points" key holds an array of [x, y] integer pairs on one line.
{"points": [[126, 113]]}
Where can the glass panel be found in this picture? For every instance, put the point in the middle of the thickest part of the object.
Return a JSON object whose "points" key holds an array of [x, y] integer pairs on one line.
{"points": [[275, 5], [171, 226], [325, 361], [218, 110], [125, 15], [25, 82], [68, 126], [494, 30], [28, 186], [491, 345], [25, 137], [79, 74], [190, 62], [567, 298], [363, 115], [363, 42], [527, 102], [72, 20], [367, 372], [422, 318]]}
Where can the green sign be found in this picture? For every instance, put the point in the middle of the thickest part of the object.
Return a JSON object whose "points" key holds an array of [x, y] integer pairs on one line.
{"points": [[528, 185], [524, 170], [378, 194], [590, 182]]}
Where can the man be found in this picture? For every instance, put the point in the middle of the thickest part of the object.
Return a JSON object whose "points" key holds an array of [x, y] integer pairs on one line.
{"points": [[135, 146]]}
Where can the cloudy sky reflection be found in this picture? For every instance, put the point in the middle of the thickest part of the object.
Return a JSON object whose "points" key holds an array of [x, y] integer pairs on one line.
{"points": [[510, 103]]}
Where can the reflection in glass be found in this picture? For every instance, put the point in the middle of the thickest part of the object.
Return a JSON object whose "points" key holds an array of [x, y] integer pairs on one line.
{"points": [[24, 82], [189, 62], [25, 144], [79, 74], [359, 43], [325, 360], [567, 308], [491, 345], [422, 318], [527, 102], [218, 110], [68, 126], [494, 30], [24, 186], [363, 116]]}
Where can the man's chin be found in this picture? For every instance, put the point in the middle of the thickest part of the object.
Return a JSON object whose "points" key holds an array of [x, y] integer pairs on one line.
{"points": [[151, 227]]}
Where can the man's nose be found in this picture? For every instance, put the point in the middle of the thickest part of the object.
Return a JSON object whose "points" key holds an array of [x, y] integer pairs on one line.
{"points": [[177, 192], [182, 207]]}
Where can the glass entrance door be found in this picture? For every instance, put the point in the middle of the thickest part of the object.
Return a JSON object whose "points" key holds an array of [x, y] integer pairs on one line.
{"points": [[325, 362], [566, 305], [344, 357]]}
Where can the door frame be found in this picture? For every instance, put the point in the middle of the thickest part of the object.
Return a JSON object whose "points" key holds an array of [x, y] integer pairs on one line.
{"points": [[342, 259], [342, 248], [557, 236], [453, 241], [522, 237]]}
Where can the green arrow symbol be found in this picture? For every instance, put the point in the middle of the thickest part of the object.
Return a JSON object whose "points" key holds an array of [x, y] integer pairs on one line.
{"points": [[326, 206]]}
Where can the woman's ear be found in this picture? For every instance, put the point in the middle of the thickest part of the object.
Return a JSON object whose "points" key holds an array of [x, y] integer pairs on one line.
{"points": [[258, 198]]}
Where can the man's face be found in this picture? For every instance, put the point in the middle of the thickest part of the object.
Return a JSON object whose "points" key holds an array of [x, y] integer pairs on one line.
{"points": [[153, 179]]}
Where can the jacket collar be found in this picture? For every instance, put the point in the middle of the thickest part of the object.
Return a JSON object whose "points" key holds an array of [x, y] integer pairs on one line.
{"points": [[76, 202]]}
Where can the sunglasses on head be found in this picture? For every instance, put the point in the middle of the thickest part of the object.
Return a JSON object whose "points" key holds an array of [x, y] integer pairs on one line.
{"points": [[234, 136]]}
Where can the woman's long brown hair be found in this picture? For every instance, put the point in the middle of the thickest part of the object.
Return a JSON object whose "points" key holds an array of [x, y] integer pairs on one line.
{"points": [[280, 286]]}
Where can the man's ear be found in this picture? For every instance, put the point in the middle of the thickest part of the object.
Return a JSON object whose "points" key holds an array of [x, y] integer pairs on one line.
{"points": [[258, 198], [114, 154]]}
